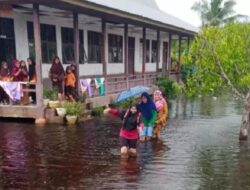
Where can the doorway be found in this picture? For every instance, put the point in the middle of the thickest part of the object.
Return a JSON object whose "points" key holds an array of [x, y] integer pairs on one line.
{"points": [[165, 65], [131, 56]]}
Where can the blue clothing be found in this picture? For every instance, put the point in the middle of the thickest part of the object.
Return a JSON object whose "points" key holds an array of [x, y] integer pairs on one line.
{"points": [[146, 132], [147, 109]]}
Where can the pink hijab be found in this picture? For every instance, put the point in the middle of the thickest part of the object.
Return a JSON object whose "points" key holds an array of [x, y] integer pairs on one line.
{"points": [[159, 104]]}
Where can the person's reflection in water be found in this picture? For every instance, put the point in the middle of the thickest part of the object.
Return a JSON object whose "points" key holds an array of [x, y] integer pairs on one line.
{"points": [[159, 148], [130, 167]]}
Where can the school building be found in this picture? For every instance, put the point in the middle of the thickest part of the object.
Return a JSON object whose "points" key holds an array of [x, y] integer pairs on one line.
{"points": [[127, 42]]}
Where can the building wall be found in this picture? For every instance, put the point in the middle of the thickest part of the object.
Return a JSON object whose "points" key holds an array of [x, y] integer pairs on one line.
{"points": [[86, 69]]}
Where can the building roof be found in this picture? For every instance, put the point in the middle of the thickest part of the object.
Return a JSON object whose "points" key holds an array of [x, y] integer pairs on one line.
{"points": [[147, 9]]}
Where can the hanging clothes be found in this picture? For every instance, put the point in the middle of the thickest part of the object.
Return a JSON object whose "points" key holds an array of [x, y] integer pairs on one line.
{"points": [[86, 86], [12, 89], [99, 83]]}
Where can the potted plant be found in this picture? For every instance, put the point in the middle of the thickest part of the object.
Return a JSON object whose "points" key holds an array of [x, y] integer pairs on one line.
{"points": [[73, 111], [51, 95], [61, 112]]}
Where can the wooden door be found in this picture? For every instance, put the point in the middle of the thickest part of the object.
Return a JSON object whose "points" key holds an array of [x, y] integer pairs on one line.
{"points": [[131, 55], [165, 66]]}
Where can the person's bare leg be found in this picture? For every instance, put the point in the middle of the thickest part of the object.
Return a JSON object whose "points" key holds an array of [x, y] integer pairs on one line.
{"points": [[124, 152], [60, 96], [132, 152], [158, 135], [71, 98]]}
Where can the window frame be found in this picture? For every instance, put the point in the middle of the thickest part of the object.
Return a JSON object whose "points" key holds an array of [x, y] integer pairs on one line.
{"points": [[94, 47], [48, 41], [7, 35], [69, 43], [115, 46]]}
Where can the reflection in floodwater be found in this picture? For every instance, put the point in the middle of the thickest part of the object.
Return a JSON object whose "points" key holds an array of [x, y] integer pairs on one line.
{"points": [[200, 150]]}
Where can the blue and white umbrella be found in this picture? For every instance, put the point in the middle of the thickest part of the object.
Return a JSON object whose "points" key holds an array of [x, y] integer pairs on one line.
{"points": [[132, 92]]}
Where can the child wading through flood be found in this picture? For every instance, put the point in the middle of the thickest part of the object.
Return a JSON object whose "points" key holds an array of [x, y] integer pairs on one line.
{"points": [[129, 132]]}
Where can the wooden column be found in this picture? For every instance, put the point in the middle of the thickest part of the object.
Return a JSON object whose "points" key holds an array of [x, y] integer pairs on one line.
{"points": [[169, 62], [104, 57], [158, 50], [144, 51], [76, 47], [126, 53], [38, 53], [179, 60]]}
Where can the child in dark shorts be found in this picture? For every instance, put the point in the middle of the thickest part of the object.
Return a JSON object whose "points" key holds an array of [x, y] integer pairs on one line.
{"points": [[129, 131], [70, 82]]}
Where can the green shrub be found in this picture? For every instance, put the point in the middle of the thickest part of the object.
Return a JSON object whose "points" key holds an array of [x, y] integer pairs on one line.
{"points": [[50, 93], [127, 103], [168, 87], [73, 108], [98, 111]]}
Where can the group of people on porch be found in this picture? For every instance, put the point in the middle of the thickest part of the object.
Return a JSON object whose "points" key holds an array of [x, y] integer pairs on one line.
{"points": [[23, 73], [66, 82], [20, 71]]}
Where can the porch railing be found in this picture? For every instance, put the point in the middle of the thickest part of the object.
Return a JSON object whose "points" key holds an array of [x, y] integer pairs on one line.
{"points": [[113, 85], [116, 84]]}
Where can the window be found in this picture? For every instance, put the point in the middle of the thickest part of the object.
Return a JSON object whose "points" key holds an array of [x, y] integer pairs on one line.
{"points": [[154, 51], [48, 40], [7, 40], [68, 45], [94, 47], [147, 50], [115, 48]]}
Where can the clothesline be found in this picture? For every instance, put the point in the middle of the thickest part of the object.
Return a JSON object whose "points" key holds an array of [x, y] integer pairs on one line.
{"points": [[85, 85]]}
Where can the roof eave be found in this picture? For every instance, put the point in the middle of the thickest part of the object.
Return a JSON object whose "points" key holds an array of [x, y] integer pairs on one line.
{"points": [[123, 14]]}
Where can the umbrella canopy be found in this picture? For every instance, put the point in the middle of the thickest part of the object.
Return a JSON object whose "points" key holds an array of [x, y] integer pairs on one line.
{"points": [[132, 92]]}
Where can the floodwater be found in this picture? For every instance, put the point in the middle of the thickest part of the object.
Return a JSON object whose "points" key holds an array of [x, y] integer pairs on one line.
{"points": [[200, 151]]}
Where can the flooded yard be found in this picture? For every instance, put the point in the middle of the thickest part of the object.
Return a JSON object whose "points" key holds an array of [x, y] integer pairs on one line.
{"points": [[200, 150]]}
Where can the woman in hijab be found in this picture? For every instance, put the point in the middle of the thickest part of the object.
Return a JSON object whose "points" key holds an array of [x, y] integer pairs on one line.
{"points": [[32, 77], [149, 116], [4, 72], [57, 76], [4, 76], [19, 72], [162, 110]]}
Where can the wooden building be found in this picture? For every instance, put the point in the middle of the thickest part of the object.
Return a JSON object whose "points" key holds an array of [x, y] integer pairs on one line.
{"points": [[125, 41]]}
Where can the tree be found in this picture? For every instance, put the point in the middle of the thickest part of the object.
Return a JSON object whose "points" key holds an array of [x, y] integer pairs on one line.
{"points": [[221, 56], [216, 12]]}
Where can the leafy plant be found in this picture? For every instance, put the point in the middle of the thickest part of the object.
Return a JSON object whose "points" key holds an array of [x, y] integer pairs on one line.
{"points": [[216, 12], [50, 93], [73, 108], [127, 103], [168, 87], [98, 111], [222, 65]]}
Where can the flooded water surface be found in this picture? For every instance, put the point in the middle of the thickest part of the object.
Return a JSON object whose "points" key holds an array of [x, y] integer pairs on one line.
{"points": [[200, 151]]}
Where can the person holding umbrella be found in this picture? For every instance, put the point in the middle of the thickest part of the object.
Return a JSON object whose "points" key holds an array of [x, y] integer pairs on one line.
{"points": [[149, 116]]}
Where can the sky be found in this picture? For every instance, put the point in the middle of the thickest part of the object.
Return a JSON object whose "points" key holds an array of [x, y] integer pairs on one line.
{"points": [[182, 9]]}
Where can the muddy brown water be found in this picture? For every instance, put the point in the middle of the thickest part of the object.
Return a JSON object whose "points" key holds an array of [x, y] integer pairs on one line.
{"points": [[200, 151]]}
